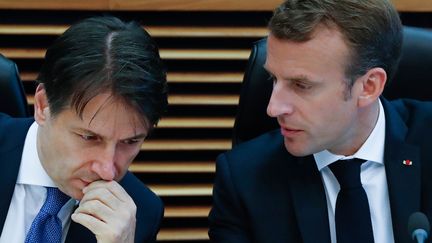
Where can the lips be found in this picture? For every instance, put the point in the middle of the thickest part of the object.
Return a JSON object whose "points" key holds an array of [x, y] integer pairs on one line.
{"points": [[290, 132], [86, 182]]}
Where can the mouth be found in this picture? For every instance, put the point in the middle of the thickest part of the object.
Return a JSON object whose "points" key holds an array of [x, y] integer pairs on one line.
{"points": [[290, 132], [85, 182]]}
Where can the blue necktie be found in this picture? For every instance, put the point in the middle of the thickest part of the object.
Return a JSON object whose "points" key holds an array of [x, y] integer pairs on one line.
{"points": [[352, 216], [47, 227]]}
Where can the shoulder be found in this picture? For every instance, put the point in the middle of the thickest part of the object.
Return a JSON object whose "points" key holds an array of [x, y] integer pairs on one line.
{"points": [[13, 130], [414, 118], [412, 112], [138, 191], [265, 154], [412, 107], [7, 123], [149, 207], [261, 146]]}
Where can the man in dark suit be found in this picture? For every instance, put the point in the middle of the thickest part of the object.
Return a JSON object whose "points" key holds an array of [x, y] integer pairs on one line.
{"points": [[346, 164], [102, 89]]}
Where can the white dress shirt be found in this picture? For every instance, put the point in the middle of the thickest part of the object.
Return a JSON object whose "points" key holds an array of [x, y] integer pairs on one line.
{"points": [[29, 195], [373, 178]]}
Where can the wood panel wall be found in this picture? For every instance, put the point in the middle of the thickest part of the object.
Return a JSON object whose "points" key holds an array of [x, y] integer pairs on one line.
{"points": [[178, 5], [205, 45]]}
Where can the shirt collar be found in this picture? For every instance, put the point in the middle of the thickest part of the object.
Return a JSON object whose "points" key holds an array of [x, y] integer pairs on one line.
{"points": [[371, 150], [31, 171]]}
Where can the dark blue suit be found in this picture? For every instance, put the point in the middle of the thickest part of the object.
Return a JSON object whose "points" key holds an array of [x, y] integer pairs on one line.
{"points": [[264, 194], [12, 135]]}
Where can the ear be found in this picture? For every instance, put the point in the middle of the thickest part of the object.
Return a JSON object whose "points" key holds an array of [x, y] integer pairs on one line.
{"points": [[41, 107], [371, 86]]}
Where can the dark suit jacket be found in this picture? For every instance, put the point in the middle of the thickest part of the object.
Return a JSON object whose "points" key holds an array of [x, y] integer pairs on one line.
{"points": [[12, 135], [264, 194]]}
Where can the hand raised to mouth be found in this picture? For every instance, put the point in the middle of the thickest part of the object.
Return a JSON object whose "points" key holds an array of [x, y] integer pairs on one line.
{"points": [[108, 211]]}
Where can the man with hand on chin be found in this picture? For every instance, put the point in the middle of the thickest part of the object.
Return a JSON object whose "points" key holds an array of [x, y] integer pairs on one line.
{"points": [[64, 178]]}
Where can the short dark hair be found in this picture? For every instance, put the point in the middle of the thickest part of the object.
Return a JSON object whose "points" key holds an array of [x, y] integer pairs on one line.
{"points": [[372, 30], [103, 54]]}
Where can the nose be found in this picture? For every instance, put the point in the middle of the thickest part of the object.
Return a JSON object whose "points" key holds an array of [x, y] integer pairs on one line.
{"points": [[280, 102], [104, 165]]}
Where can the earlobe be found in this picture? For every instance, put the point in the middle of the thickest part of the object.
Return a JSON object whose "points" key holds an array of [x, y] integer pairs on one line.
{"points": [[373, 83], [41, 108]]}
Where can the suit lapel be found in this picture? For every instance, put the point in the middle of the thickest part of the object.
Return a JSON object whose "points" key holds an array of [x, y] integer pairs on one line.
{"points": [[310, 202], [404, 181]]}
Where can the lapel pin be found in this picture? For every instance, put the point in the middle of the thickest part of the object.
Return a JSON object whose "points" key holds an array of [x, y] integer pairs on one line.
{"points": [[407, 162]]}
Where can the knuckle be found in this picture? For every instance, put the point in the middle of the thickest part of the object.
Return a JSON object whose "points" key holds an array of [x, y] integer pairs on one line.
{"points": [[92, 206]]}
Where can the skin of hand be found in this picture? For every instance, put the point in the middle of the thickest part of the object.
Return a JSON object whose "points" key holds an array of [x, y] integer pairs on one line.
{"points": [[107, 211]]}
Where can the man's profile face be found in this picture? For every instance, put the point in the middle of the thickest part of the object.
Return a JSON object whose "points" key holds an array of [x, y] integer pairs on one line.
{"points": [[309, 97], [100, 146]]}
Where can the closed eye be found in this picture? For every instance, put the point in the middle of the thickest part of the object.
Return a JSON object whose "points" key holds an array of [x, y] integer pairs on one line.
{"points": [[302, 86], [131, 141], [87, 137]]}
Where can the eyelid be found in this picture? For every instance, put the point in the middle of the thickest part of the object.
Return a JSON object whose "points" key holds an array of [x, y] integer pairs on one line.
{"points": [[88, 137], [303, 85], [132, 141]]}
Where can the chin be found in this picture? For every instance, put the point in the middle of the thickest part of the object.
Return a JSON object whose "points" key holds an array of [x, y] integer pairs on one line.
{"points": [[74, 190], [79, 197], [76, 194], [297, 149]]}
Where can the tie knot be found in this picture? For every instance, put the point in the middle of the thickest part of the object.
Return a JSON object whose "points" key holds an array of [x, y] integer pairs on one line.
{"points": [[347, 172], [54, 201]]}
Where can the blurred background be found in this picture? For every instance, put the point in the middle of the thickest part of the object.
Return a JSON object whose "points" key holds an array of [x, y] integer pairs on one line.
{"points": [[205, 45]]}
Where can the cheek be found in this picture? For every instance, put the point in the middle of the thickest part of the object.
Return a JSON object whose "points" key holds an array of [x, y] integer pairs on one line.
{"points": [[129, 152], [125, 157], [328, 116], [78, 160], [337, 120], [69, 146], [61, 154]]}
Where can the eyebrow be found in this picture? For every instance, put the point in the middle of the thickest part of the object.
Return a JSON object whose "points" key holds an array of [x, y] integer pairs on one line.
{"points": [[138, 136], [301, 78]]}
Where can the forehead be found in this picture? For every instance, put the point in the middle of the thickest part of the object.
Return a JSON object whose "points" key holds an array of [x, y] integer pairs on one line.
{"points": [[325, 51], [108, 116]]}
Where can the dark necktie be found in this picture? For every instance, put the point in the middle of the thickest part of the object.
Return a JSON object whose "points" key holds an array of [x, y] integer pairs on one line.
{"points": [[47, 227], [352, 216]]}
